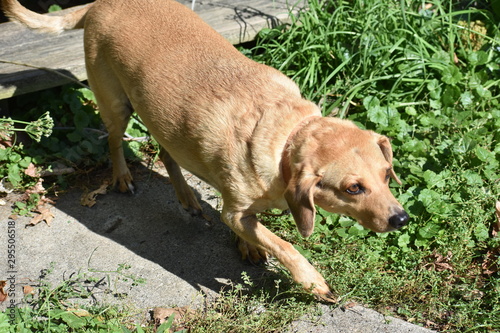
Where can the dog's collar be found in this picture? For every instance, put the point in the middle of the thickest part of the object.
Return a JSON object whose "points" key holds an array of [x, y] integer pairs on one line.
{"points": [[285, 155]]}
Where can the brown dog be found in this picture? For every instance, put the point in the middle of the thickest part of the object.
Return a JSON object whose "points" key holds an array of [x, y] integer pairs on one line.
{"points": [[239, 125]]}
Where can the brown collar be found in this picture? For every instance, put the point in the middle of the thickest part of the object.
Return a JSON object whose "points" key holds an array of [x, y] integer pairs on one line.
{"points": [[285, 155]]}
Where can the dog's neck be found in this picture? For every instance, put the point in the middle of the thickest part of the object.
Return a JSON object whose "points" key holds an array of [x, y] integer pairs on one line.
{"points": [[286, 169]]}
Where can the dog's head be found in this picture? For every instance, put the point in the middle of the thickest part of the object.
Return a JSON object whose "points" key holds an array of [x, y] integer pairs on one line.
{"points": [[344, 170]]}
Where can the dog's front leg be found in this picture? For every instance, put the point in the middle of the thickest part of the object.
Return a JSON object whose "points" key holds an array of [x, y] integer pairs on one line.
{"points": [[252, 231], [182, 190]]}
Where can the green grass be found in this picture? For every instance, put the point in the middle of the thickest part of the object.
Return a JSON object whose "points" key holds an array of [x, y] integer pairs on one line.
{"points": [[426, 77], [71, 305], [74, 306], [429, 79]]}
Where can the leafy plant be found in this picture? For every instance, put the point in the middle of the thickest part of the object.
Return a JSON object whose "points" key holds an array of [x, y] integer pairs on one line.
{"points": [[12, 161], [68, 307], [68, 137], [251, 306], [426, 75]]}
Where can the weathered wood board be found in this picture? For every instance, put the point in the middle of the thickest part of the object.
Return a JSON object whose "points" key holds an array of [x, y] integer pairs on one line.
{"points": [[62, 55]]}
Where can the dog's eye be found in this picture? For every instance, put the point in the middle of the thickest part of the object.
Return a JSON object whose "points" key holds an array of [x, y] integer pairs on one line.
{"points": [[355, 189]]}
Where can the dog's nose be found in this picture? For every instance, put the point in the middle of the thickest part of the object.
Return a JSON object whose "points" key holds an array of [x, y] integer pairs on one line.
{"points": [[398, 220]]}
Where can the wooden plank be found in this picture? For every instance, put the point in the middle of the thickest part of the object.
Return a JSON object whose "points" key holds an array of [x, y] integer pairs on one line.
{"points": [[62, 55]]}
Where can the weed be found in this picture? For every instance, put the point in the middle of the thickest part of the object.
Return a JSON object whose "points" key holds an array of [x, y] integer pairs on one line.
{"points": [[252, 307], [427, 76], [72, 306]]}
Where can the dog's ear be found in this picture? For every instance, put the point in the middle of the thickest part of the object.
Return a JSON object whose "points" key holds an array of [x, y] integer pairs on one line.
{"points": [[300, 198], [385, 146]]}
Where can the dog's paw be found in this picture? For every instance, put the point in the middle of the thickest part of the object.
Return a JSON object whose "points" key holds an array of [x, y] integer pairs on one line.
{"points": [[314, 283], [191, 205], [254, 255], [124, 184], [187, 198], [324, 295]]}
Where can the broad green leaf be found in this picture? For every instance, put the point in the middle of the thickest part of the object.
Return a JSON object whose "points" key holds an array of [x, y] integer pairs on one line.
{"points": [[451, 95], [14, 174], [429, 230], [436, 180], [87, 94], [483, 154], [434, 88], [72, 320], [4, 153], [451, 75], [371, 102], [74, 136], [415, 147], [481, 232], [81, 119], [472, 178], [467, 99], [381, 115], [435, 104], [477, 58], [345, 221], [464, 145], [403, 240], [483, 92], [411, 111], [358, 230], [25, 162], [342, 232], [442, 57], [87, 146], [54, 8], [428, 196], [14, 157]]}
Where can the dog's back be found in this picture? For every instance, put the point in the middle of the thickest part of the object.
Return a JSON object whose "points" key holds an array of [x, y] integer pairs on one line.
{"points": [[189, 85]]}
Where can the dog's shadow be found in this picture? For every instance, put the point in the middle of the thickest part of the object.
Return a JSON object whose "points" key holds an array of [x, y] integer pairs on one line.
{"points": [[152, 224]]}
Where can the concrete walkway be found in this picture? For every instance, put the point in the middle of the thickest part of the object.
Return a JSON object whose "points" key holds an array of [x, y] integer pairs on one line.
{"points": [[179, 256]]}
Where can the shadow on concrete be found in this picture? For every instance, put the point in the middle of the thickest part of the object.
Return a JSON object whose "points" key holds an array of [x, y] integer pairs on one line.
{"points": [[152, 224]]}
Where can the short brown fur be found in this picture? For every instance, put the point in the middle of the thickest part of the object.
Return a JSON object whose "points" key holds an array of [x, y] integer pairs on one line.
{"points": [[241, 126]]}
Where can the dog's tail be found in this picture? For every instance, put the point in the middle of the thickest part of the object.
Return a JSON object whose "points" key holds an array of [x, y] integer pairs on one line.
{"points": [[53, 24]]}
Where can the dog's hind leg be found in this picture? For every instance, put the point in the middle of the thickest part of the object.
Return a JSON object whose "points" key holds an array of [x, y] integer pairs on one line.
{"points": [[182, 190], [115, 111]]}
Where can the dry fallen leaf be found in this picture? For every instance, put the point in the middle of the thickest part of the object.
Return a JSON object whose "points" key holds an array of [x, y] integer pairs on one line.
{"points": [[38, 188], [43, 214], [440, 263], [31, 171], [160, 315], [89, 199], [28, 290], [3, 294], [349, 305], [79, 312], [489, 264]]}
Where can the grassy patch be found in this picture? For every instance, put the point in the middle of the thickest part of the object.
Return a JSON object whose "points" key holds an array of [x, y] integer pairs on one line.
{"points": [[253, 307], [73, 306], [426, 75]]}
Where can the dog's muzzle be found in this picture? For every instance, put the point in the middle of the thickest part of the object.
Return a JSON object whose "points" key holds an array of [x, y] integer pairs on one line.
{"points": [[399, 220]]}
